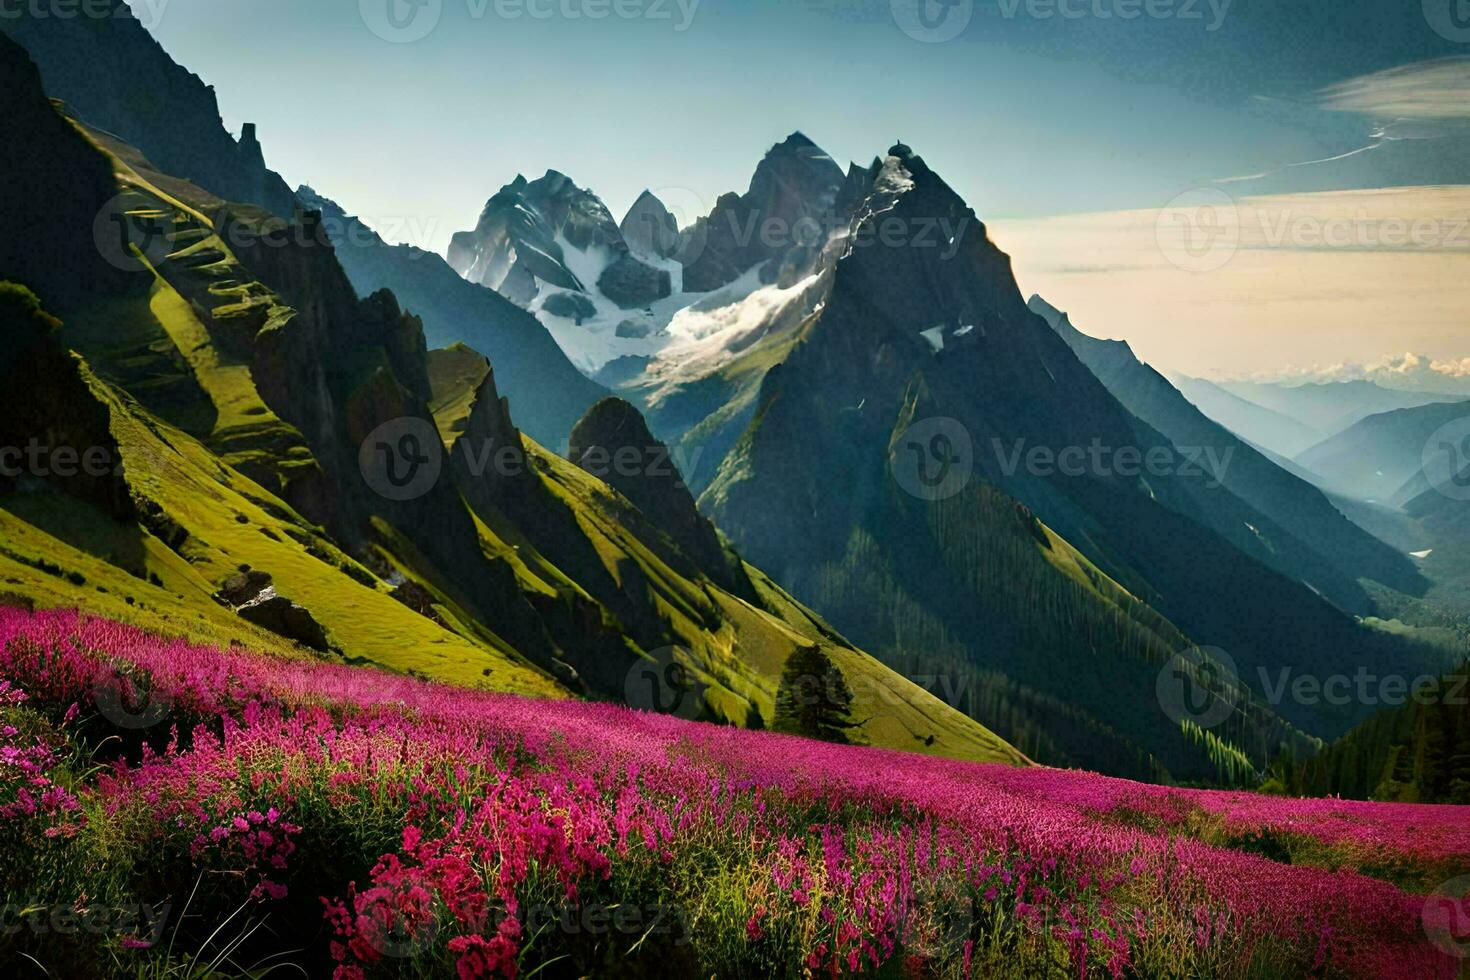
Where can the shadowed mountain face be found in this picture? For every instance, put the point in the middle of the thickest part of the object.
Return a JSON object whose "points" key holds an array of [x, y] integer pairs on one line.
{"points": [[114, 76], [779, 224], [612, 442], [54, 190], [927, 358], [1303, 535], [546, 392]]}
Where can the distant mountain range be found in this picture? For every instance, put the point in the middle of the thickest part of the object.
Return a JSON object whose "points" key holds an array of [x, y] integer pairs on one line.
{"points": [[1379, 457], [1261, 426], [1331, 407]]}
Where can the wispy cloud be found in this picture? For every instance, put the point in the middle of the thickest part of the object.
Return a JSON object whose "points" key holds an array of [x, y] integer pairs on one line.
{"points": [[1438, 90], [1305, 163], [1420, 101]]}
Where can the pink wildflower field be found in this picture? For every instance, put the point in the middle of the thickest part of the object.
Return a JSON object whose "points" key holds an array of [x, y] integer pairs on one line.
{"points": [[210, 808]]}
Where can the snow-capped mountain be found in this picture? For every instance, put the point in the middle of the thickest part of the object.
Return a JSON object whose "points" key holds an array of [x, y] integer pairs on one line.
{"points": [[644, 291]]}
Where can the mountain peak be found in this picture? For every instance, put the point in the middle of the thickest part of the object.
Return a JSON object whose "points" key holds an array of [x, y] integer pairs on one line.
{"points": [[796, 141]]}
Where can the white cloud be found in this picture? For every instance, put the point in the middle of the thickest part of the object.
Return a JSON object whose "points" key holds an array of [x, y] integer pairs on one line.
{"points": [[1438, 90]]}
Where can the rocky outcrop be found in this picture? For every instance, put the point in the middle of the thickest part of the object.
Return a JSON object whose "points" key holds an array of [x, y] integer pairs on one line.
{"points": [[649, 229], [55, 430], [570, 306], [252, 594], [631, 284], [115, 76], [613, 443]]}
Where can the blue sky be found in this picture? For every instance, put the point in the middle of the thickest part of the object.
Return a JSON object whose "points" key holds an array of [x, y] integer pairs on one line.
{"points": [[1032, 109]]}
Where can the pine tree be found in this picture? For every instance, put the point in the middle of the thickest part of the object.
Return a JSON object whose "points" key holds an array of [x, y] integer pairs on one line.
{"points": [[814, 700]]}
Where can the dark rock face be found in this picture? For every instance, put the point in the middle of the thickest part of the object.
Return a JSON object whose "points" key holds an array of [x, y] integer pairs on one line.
{"points": [[57, 413], [649, 229], [55, 186], [812, 490], [285, 618], [631, 284], [252, 594], [780, 224], [419, 599], [572, 306], [612, 442], [243, 587], [115, 76]]}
